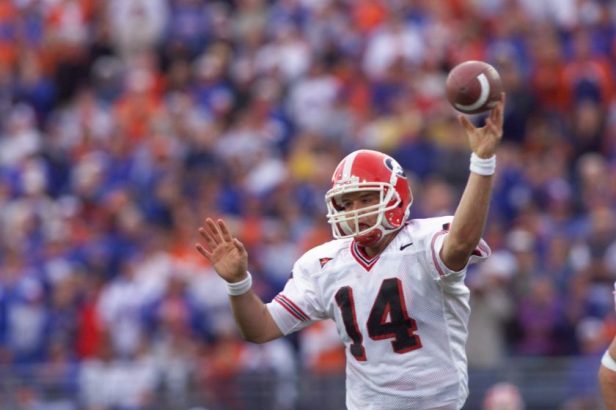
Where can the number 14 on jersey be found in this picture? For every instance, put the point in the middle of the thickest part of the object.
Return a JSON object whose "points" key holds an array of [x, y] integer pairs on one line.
{"points": [[388, 319]]}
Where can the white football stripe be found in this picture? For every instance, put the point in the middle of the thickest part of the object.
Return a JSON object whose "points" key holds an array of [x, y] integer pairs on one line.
{"points": [[483, 97], [348, 165]]}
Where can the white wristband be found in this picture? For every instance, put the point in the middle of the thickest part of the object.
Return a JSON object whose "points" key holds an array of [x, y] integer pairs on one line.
{"points": [[483, 166], [608, 361], [241, 287]]}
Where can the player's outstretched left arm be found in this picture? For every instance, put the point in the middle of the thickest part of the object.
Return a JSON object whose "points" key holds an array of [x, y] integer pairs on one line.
{"points": [[230, 260], [470, 216]]}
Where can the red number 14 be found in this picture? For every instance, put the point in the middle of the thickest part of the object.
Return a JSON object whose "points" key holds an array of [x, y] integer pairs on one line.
{"points": [[389, 303]]}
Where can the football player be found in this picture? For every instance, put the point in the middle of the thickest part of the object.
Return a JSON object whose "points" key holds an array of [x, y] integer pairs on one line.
{"points": [[393, 285], [607, 372]]}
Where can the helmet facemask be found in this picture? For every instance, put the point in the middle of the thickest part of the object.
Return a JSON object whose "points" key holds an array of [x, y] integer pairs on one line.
{"points": [[368, 171], [347, 224]]}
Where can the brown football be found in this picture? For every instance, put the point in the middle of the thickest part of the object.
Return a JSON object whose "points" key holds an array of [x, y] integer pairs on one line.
{"points": [[473, 87]]}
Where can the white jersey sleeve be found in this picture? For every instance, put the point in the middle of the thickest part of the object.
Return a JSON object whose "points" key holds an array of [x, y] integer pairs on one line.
{"points": [[298, 305], [439, 269]]}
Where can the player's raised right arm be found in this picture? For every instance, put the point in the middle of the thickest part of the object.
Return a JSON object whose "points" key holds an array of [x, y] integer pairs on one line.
{"points": [[230, 260]]}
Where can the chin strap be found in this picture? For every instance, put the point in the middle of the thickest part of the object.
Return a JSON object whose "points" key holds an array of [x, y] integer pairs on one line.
{"points": [[375, 236], [371, 238]]}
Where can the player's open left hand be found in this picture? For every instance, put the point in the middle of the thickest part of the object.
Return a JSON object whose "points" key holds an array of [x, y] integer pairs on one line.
{"points": [[484, 140], [226, 253]]}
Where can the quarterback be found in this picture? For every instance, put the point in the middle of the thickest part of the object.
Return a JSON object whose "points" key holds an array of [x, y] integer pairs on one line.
{"points": [[393, 285]]}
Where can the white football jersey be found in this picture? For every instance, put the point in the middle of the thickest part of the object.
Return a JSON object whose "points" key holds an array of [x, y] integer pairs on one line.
{"points": [[402, 316]]}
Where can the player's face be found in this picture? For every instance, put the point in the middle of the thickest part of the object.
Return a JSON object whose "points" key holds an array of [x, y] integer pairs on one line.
{"points": [[356, 201]]}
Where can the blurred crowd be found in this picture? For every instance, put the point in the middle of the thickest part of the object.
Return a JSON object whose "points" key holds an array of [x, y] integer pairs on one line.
{"points": [[123, 123]]}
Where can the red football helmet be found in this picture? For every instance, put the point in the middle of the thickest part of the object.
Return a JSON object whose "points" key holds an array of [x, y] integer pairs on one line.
{"points": [[367, 170]]}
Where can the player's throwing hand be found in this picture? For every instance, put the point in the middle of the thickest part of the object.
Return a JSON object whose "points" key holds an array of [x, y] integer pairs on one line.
{"points": [[484, 140], [226, 253]]}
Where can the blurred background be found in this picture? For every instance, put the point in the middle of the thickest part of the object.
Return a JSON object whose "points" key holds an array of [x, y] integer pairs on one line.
{"points": [[123, 123]]}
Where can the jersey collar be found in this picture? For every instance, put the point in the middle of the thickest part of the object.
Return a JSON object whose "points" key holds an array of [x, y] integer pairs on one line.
{"points": [[360, 256]]}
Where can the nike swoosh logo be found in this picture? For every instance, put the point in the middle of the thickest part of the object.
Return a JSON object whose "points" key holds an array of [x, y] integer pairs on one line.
{"points": [[403, 247]]}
